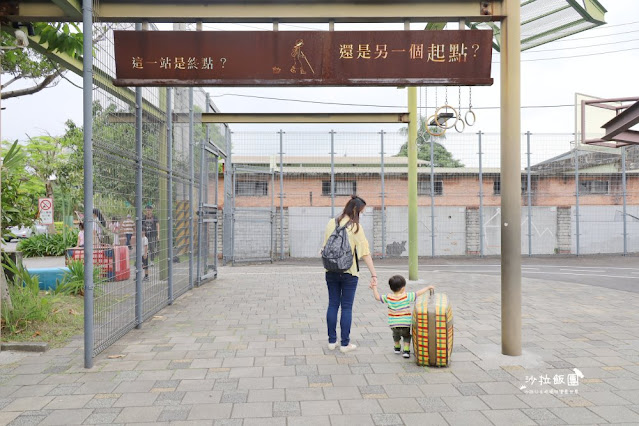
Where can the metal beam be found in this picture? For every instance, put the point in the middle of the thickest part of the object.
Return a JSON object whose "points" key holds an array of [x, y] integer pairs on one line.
{"points": [[622, 122], [318, 12], [626, 138], [69, 7], [209, 118]]}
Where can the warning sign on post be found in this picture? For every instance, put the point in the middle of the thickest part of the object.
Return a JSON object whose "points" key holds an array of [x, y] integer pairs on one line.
{"points": [[45, 207]]}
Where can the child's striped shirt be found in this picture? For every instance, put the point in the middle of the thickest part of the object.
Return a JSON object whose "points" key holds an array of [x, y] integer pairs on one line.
{"points": [[399, 314]]}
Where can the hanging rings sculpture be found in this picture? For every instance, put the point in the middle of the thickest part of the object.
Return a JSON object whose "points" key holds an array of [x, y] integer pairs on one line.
{"points": [[443, 120]]}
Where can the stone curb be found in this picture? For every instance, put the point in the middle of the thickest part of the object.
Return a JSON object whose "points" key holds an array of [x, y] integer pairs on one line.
{"points": [[24, 346]]}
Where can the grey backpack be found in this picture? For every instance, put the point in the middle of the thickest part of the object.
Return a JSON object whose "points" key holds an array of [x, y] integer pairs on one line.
{"points": [[336, 254]]}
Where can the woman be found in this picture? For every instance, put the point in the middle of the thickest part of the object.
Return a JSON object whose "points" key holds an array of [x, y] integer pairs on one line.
{"points": [[342, 285]]}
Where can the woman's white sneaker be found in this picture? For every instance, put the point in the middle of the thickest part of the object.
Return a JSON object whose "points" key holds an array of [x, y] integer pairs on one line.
{"points": [[350, 347], [332, 346]]}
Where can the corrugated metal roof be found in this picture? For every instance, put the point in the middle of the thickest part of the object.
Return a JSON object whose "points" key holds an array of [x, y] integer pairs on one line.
{"points": [[307, 160]]}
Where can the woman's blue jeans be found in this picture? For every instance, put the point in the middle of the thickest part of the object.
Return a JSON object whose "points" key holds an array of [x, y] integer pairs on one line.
{"points": [[341, 293]]}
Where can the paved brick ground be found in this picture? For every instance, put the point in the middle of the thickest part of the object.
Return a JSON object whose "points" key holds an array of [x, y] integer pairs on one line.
{"points": [[250, 349]]}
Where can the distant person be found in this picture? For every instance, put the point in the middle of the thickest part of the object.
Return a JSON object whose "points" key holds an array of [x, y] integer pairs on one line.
{"points": [[128, 228], [145, 256], [114, 227], [342, 285], [99, 226], [80, 235], [151, 227], [399, 312]]}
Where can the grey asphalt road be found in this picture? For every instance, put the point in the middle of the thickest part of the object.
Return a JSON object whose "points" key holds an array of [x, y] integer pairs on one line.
{"points": [[614, 272]]}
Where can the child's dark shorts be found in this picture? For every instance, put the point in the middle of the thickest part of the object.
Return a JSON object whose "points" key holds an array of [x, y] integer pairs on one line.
{"points": [[401, 332]]}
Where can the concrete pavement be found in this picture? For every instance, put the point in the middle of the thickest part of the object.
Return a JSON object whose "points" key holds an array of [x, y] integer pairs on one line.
{"points": [[250, 349]]}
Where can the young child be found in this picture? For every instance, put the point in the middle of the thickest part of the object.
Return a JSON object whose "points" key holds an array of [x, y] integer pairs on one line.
{"points": [[399, 314], [81, 235]]}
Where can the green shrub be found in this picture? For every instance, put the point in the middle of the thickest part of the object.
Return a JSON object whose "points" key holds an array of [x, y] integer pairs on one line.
{"points": [[47, 245], [60, 228], [73, 280], [29, 305]]}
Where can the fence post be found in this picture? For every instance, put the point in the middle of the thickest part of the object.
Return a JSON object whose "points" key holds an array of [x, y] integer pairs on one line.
{"points": [[528, 186], [577, 194], [139, 248], [233, 179], [383, 196], [432, 195], [200, 216], [169, 143], [191, 183], [273, 233], [623, 190], [281, 132], [87, 118], [481, 200], [229, 201], [332, 132]]}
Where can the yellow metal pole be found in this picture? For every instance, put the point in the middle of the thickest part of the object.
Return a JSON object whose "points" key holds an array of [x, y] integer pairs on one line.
{"points": [[412, 184], [511, 180]]}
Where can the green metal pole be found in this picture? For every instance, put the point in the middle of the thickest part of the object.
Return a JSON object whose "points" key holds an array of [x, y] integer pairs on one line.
{"points": [[412, 184]]}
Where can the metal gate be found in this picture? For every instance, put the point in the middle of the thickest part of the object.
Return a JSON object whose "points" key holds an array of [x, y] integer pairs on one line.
{"points": [[207, 215], [253, 224]]}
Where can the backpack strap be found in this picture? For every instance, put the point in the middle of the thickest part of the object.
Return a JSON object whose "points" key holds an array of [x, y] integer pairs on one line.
{"points": [[356, 259]]}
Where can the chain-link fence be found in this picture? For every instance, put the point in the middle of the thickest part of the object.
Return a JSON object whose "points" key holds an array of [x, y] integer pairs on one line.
{"points": [[155, 203], [576, 199]]}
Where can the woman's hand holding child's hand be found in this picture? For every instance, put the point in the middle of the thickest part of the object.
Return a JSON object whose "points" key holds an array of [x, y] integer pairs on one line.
{"points": [[373, 282]]}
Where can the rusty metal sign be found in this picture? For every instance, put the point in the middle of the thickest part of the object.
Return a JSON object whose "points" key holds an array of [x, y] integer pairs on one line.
{"points": [[303, 58]]}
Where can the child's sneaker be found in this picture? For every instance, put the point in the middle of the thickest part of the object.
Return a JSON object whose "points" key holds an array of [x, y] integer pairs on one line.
{"points": [[332, 346], [406, 354], [397, 349]]}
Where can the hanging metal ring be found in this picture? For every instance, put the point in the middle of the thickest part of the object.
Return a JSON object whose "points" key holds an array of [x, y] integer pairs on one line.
{"points": [[435, 134], [471, 112], [444, 125], [463, 126]]}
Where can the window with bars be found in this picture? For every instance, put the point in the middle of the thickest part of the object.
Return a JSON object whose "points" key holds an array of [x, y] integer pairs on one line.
{"points": [[594, 186], [423, 187], [524, 186], [251, 188], [342, 187]]}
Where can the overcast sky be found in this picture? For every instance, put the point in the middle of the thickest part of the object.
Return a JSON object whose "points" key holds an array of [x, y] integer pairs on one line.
{"points": [[608, 68]]}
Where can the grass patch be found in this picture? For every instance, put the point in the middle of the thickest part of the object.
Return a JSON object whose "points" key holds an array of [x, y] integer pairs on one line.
{"points": [[38, 316], [66, 320]]}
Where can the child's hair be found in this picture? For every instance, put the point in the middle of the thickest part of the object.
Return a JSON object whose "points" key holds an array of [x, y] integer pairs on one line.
{"points": [[81, 226], [396, 283]]}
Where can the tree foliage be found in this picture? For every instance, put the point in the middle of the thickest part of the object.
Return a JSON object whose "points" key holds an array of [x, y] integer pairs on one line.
{"points": [[30, 65], [441, 156], [18, 204]]}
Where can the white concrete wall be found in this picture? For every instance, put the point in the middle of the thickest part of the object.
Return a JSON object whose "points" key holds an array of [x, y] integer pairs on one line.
{"points": [[544, 230], [601, 229], [450, 231], [307, 225]]}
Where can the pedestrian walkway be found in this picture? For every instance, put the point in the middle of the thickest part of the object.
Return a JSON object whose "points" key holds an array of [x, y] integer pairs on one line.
{"points": [[250, 349]]}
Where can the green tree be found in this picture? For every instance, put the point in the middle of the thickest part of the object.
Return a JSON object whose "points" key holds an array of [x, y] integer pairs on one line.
{"points": [[18, 204], [442, 157], [30, 65]]}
